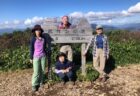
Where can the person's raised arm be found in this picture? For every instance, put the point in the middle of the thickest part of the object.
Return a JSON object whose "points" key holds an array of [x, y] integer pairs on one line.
{"points": [[91, 42]]}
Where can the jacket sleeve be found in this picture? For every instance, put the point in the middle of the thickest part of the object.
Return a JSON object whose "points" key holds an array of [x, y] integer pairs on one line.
{"points": [[47, 45], [71, 64], [60, 27], [31, 48], [90, 43], [57, 69]]}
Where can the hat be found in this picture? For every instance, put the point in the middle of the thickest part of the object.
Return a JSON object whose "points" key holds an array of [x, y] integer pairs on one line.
{"points": [[37, 27], [61, 54], [99, 27]]}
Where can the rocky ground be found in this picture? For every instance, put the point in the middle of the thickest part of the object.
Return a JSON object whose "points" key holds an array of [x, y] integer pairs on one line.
{"points": [[123, 81]]}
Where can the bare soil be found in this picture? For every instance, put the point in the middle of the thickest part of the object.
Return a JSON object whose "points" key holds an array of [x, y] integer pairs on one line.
{"points": [[123, 81]]}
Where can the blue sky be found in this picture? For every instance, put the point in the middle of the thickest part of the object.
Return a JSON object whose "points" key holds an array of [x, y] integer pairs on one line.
{"points": [[27, 12]]}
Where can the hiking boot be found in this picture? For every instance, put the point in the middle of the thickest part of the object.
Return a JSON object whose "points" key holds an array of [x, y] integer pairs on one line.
{"points": [[99, 79], [104, 79], [63, 83], [42, 85], [70, 84], [35, 88]]}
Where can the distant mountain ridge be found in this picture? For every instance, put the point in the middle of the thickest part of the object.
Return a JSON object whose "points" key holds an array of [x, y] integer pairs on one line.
{"points": [[130, 27], [8, 30]]}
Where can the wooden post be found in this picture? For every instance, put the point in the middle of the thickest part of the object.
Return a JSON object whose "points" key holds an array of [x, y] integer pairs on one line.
{"points": [[83, 59]]}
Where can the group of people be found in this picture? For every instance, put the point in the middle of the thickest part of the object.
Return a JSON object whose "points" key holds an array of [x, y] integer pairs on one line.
{"points": [[64, 60]]}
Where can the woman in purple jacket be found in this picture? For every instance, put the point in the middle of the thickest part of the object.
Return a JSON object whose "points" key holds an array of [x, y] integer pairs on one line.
{"points": [[38, 52]]}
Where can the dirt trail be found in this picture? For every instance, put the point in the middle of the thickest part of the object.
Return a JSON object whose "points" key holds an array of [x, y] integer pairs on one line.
{"points": [[123, 81]]}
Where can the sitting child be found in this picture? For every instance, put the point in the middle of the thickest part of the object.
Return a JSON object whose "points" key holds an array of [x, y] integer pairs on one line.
{"points": [[63, 67]]}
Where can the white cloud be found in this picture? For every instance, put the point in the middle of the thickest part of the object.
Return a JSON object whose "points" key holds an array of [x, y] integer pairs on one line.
{"points": [[109, 21], [135, 8], [37, 19], [77, 14], [16, 21], [28, 21], [33, 20], [125, 13], [97, 16], [22, 23], [6, 22], [109, 17]]}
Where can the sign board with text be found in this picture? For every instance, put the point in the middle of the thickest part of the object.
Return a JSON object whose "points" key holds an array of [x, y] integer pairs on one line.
{"points": [[82, 33]]}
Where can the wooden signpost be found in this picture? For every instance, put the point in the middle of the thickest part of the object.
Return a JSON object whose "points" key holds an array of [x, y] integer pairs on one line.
{"points": [[81, 34]]}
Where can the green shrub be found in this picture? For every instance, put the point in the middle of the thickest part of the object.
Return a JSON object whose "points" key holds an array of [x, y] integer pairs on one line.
{"points": [[125, 52], [124, 46], [15, 59], [92, 74]]}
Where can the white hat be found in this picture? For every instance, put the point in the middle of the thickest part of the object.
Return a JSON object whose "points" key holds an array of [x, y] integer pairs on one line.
{"points": [[99, 27]]}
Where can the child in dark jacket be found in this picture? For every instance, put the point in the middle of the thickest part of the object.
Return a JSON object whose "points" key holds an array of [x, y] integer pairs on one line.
{"points": [[63, 67]]}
